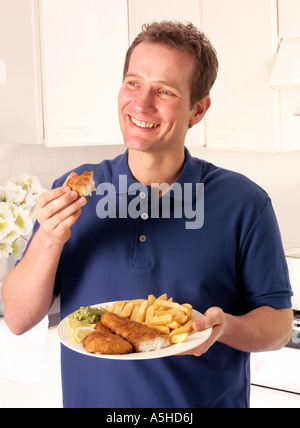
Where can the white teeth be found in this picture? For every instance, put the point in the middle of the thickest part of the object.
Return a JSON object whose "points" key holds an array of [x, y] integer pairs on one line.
{"points": [[143, 124]]}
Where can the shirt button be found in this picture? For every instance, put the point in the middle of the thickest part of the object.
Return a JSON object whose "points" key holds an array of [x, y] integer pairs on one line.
{"points": [[145, 216], [142, 238], [143, 195]]}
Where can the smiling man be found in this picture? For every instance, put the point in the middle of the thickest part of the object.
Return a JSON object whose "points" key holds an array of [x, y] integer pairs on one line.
{"points": [[155, 110], [154, 101], [231, 268]]}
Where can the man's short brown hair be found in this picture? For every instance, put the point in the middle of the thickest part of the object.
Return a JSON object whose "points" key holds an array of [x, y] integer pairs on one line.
{"points": [[187, 38]]}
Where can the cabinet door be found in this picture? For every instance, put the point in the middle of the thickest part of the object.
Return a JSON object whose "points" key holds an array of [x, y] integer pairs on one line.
{"points": [[83, 49], [20, 117], [244, 111], [145, 11], [289, 13]]}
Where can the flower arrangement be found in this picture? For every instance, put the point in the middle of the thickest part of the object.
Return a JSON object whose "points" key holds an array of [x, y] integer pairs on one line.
{"points": [[17, 213]]}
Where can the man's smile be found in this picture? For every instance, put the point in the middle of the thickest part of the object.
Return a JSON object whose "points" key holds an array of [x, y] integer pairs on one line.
{"points": [[143, 124]]}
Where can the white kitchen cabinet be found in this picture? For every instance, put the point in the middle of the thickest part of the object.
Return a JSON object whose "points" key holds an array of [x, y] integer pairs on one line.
{"points": [[145, 11], [83, 49], [289, 12], [20, 112], [245, 112], [286, 72], [61, 65]]}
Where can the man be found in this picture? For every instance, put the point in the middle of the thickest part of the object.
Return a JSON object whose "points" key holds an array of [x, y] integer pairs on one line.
{"points": [[232, 268]]}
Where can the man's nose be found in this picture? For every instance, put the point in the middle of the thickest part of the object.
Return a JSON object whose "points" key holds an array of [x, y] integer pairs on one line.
{"points": [[145, 101]]}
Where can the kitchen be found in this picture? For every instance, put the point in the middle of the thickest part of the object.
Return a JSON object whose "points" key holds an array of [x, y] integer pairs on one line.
{"points": [[47, 133]]}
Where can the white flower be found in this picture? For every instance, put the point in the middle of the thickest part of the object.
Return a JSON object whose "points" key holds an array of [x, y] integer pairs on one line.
{"points": [[18, 247], [7, 222], [17, 213], [2, 194], [33, 194], [22, 221], [5, 249], [26, 181], [23, 189], [14, 193]]}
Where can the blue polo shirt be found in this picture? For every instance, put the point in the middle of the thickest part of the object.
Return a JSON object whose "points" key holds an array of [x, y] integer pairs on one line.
{"points": [[234, 261]]}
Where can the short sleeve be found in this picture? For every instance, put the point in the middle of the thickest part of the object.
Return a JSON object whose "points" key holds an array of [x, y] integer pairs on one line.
{"points": [[262, 269]]}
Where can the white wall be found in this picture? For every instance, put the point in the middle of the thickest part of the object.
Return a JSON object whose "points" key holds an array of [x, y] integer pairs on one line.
{"points": [[278, 174], [48, 163]]}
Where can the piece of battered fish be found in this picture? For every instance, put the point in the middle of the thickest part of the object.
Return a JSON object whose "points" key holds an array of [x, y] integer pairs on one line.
{"points": [[83, 184], [141, 337], [104, 341]]}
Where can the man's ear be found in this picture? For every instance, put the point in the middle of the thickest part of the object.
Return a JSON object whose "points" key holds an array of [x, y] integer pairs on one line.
{"points": [[200, 109]]}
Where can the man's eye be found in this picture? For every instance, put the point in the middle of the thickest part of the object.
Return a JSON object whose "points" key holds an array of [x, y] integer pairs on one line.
{"points": [[166, 93]]}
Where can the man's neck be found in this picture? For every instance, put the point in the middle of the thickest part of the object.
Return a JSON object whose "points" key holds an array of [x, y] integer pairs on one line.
{"points": [[149, 168]]}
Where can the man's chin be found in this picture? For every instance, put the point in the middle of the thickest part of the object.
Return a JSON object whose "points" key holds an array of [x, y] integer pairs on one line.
{"points": [[141, 146]]}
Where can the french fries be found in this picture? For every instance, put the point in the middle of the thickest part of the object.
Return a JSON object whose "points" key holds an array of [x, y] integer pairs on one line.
{"points": [[160, 313]]}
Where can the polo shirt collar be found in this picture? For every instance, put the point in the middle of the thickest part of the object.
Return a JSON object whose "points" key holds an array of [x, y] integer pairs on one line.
{"points": [[121, 168], [192, 170], [190, 173]]}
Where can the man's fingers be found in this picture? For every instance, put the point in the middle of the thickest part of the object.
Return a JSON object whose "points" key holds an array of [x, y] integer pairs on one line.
{"points": [[57, 210], [59, 216], [69, 221], [212, 317], [47, 197]]}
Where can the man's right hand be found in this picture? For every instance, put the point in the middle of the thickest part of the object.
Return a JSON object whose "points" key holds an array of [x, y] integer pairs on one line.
{"points": [[57, 210]]}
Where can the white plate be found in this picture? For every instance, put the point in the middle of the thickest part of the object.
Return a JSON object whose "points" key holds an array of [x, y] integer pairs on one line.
{"points": [[193, 340]]}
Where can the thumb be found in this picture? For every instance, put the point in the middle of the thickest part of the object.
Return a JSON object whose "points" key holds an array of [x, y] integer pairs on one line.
{"points": [[212, 317]]}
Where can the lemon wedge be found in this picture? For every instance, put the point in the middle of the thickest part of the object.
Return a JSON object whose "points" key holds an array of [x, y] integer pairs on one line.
{"points": [[72, 324], [81, 333], [79, 329]]}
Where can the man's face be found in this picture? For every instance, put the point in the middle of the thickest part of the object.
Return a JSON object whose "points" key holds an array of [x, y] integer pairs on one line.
{"points": [[154, 100]]}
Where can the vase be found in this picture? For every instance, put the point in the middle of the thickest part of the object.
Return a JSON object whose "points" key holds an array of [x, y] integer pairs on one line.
{"points": [[6, 265]]}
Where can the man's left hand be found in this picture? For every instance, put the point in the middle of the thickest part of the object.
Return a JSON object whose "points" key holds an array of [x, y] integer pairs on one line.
{"points": [[213, 317]]}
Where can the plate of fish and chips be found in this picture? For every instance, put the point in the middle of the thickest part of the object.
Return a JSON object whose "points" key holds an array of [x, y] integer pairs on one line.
{"points": [[169, 322]]}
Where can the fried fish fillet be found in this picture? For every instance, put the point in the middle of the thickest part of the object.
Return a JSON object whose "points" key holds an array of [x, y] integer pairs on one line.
{"points": [[141, 337], [99, 328], [104, 341], [83, 184]]}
